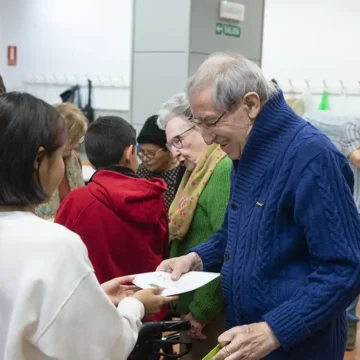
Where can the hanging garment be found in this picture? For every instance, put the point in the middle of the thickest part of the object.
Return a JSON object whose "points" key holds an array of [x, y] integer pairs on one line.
{"points": [[72, 95], [324, 104], [88, 109]]}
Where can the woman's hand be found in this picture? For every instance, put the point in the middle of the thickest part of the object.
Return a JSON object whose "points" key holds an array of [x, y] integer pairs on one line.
{"points": [[152, 300], [181, 265], [249, 342], [117, 291], [196, 331]]}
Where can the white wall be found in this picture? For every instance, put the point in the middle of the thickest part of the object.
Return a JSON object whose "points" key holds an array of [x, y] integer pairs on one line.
{"points": [[303, 40], [57, 40], [161, 42], [314, 40]]}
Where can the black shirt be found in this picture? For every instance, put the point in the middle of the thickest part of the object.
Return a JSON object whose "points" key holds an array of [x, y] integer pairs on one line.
{"points": [[172, 178]]}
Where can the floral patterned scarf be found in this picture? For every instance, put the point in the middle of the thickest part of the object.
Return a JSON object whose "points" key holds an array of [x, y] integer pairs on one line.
{"points": [[75, 179], [193, 183]]}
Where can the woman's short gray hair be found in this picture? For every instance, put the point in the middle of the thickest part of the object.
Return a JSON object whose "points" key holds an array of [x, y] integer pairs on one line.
{"points": [[230, 77], [177, 105]]}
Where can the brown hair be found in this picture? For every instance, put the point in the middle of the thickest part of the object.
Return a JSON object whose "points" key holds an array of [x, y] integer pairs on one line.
{"points": [[2, 86], [75, 119]]}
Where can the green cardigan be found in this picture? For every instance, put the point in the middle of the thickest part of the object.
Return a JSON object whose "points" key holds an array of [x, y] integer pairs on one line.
{"points": [[206, 302]]}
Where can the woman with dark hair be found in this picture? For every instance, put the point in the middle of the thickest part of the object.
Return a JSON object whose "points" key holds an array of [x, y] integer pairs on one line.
{"points": [[48, 287], [157, 161]]}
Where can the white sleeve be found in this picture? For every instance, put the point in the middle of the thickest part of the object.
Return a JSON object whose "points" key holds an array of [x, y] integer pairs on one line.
{"points": [[89, 327]]}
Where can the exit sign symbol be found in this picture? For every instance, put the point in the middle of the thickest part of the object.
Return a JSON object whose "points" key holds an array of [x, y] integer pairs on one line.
{"points": [[228, 30]]}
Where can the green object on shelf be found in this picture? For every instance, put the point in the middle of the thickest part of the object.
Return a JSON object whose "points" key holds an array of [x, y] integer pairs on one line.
{"points": [[324, 104], [212, 353]]}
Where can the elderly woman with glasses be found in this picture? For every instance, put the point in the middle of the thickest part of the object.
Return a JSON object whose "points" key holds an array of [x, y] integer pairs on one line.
{"points": [[289, 246], [156, 159], [196, 213]]}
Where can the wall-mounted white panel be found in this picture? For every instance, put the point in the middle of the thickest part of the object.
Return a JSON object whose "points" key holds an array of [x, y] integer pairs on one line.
{"points": [[161, 25], [156, 79]]}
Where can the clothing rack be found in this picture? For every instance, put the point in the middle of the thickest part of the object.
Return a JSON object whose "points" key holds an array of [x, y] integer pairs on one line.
{"points": [[337, 87], [98, 81]]}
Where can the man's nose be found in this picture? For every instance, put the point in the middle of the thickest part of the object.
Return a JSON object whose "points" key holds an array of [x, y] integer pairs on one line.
{"points": [[207, 135]]}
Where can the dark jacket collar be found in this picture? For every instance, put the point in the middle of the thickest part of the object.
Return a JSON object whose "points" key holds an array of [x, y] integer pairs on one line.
{"points": [[273, 129]]}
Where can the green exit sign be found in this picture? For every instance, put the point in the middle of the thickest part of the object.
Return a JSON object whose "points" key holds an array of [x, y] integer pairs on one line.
{"points": [[228, 30]]}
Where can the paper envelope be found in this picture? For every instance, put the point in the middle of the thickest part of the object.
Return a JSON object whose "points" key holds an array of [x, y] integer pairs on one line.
{"points": [[212, 353]]}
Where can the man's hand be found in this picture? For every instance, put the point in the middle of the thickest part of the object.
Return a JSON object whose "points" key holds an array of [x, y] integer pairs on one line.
{"points": [[117, 291], [181, 265], [248, 342], [196, 331]]}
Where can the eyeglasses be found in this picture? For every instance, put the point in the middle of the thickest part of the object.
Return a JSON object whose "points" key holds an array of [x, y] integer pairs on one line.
{"points": [[148, 155], [208, 123], [177, 140]]}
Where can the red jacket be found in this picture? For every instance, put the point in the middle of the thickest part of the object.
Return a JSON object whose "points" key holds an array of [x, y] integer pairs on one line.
{"points": [[121, 219]]}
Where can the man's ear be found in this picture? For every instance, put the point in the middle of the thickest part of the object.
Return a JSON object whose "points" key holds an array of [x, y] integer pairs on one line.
{"points": [[39, 156], [253, 103]]}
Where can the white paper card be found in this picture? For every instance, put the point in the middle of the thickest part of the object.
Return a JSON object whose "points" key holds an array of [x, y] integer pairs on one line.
{"points": [[188, 282]]}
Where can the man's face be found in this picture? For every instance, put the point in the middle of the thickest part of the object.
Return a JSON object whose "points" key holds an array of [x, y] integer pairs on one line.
{"points": [[233, 128]]}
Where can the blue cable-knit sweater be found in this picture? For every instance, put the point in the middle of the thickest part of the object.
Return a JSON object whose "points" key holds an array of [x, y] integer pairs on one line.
{"points": [[289, 246]]}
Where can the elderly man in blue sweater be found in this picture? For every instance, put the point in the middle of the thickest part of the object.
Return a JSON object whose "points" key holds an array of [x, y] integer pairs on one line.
{"points": [[289, 247]]}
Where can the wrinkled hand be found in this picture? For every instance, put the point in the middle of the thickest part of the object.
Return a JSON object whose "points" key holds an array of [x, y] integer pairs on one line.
{"points": [[181, 265], [196, 331], [248, 342], [117, 291]]}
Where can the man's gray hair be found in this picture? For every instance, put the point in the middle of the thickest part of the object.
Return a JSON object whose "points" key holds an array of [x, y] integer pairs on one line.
{"points": [[230, 77], [177, 105]]}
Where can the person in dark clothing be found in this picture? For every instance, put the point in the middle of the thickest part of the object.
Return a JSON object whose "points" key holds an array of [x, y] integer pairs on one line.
{"points": [[157, 161]]}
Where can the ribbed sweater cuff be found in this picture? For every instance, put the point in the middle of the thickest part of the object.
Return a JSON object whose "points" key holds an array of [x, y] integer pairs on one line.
{"points": [[204, 314], [287, 324], [206, 254]]}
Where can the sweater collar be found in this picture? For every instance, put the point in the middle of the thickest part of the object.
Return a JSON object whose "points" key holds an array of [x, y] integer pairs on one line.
{"points": [[117, 168], [273, 128]]}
